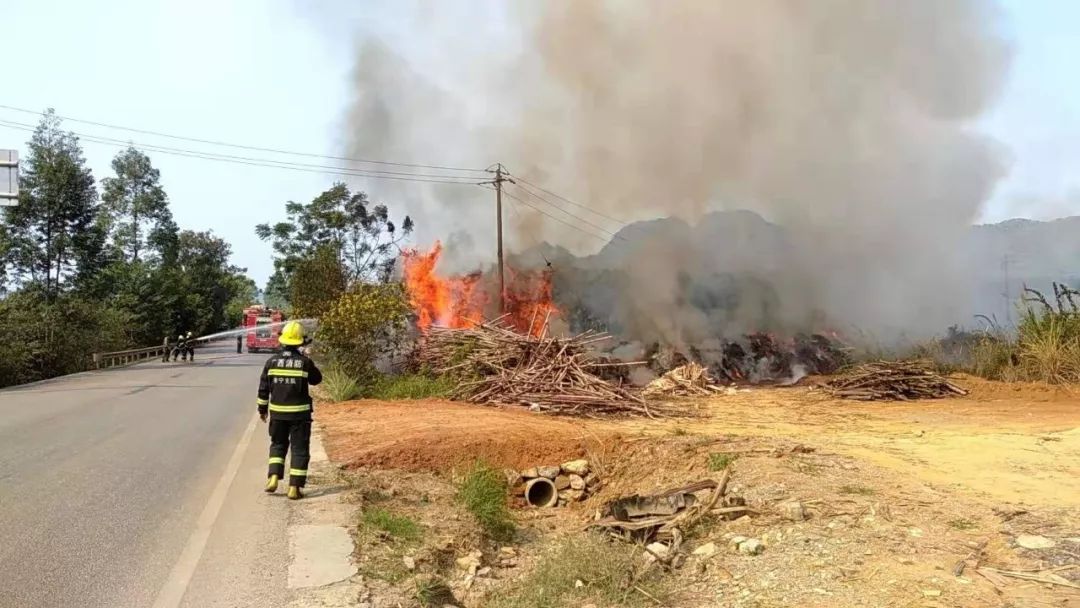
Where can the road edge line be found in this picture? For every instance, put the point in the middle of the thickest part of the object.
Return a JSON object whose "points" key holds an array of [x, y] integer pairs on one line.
{"points": [[172, 592]]}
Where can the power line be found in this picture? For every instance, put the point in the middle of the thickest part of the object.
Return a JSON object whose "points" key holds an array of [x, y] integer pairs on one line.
{"points": [[242, 146], [526, 182], [102, 138], [579, 218], [258, 162], [557, 219]]}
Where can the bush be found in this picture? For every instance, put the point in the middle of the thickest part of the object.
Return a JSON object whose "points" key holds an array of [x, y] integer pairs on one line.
{"points": [[411, 386], [1049, 346], [48, 339], [363, 325], [718, 461], [483, 491], [339, 385]]}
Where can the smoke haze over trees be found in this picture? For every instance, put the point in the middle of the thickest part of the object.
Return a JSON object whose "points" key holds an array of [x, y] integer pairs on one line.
{"points": [[844, 123]]}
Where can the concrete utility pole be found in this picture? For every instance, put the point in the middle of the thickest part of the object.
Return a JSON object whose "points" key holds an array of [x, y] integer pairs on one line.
{"points": [[500, 177]]}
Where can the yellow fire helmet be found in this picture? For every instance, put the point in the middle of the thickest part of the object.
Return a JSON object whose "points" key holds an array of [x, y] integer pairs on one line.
{"points": [[292, 334]]}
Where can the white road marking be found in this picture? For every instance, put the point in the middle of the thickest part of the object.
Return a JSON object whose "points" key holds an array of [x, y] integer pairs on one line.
{"points": [[172, 592]]}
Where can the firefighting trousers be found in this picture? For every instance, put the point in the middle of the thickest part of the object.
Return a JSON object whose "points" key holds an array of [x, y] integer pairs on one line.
{"points": [[283, 435]]}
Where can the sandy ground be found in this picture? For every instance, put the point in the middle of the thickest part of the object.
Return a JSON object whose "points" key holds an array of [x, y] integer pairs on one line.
{"points": [[898, 492]]}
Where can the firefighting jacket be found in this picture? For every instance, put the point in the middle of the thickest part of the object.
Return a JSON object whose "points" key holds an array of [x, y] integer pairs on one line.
{"points": [[283, 386]]}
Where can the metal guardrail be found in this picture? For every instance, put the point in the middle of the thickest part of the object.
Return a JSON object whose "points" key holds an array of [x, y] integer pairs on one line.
{"points": [[128, 357]]}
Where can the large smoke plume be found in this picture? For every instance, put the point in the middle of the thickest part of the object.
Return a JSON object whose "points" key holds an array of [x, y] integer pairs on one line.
{"points": [[847, 123]]}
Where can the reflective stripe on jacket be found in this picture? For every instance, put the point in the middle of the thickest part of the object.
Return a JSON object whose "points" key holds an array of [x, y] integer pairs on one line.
{"points": [[283, 385]]}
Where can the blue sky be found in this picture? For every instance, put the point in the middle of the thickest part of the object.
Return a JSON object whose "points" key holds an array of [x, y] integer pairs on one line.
{"points": [[264, 73]]}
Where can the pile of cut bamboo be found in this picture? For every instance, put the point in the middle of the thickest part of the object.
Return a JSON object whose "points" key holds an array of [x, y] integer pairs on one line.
{"points": [[892, 381], [690, 380], [547, 374]]}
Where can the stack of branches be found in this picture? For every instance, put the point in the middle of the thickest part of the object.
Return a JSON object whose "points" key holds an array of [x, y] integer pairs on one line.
{"points": [[892, 381], [548, 374], [690, 380]]}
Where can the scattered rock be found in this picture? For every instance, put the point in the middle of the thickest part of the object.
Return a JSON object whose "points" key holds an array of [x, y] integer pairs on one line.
{"points": [[548, 472], [916, 532], [486, 570], [519, 489], [656, 551], [470, 563], [706, 550], [735, 541], [751, 546], [576, 467], [578, 584], [507, 552], [1031, 541], [468, 582], [530, 473], [577, 482], [513, 478], [932, 592], [793, 510], [562, 482], [410, 563], [573, 495]]}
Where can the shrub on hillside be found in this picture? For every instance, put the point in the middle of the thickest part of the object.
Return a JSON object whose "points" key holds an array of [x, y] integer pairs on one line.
{"points": [[363, 325]]}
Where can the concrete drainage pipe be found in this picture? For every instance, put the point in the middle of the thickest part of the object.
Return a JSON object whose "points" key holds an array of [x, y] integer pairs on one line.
{"points": [[540, 492]]}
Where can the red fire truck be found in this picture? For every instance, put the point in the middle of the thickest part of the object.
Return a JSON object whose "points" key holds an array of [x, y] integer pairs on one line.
{"points": [[265, 327]]}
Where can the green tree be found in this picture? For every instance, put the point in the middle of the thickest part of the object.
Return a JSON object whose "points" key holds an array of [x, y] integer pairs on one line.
{"points": [[363, 236], [135, 209], [209, 281], [318, 281], [51, 232]]}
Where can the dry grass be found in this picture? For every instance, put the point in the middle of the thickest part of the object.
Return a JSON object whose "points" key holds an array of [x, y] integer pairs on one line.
{"points": [[1049, 346], [609, 575]]}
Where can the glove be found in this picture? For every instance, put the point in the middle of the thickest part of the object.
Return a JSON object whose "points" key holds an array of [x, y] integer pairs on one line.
{"points": [[262, 416]]}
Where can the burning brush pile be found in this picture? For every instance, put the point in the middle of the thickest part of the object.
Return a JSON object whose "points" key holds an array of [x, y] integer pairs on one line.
{"points": [[500, 365]]}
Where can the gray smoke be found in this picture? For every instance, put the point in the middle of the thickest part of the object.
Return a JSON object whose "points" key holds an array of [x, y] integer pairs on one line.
{"points": [[844, 122]]}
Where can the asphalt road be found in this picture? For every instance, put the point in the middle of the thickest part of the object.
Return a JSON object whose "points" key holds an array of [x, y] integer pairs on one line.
{"points": [[105, 481]]}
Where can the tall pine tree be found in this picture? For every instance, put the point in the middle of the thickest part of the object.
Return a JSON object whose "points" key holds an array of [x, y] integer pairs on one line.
{"points": [[52, 232]]}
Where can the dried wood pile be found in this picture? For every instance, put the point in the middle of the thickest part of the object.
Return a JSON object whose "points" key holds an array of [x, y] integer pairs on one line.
{"points": [[690, 380], [892, 381], [547, 374]]}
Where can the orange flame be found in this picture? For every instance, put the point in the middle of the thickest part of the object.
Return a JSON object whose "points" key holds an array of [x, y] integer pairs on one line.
{"points": [[449, 302], [462, 301]]}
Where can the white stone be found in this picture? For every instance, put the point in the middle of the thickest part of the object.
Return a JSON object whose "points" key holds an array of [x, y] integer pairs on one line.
{"points": [[410, 563], [793, 510], [751, 546], [548, 472], [706, 550], [576, 467], [1030, 541], [577, 482]]}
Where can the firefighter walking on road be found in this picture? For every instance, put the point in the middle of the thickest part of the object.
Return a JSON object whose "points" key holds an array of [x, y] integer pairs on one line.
{"points": [[284, 398]]}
